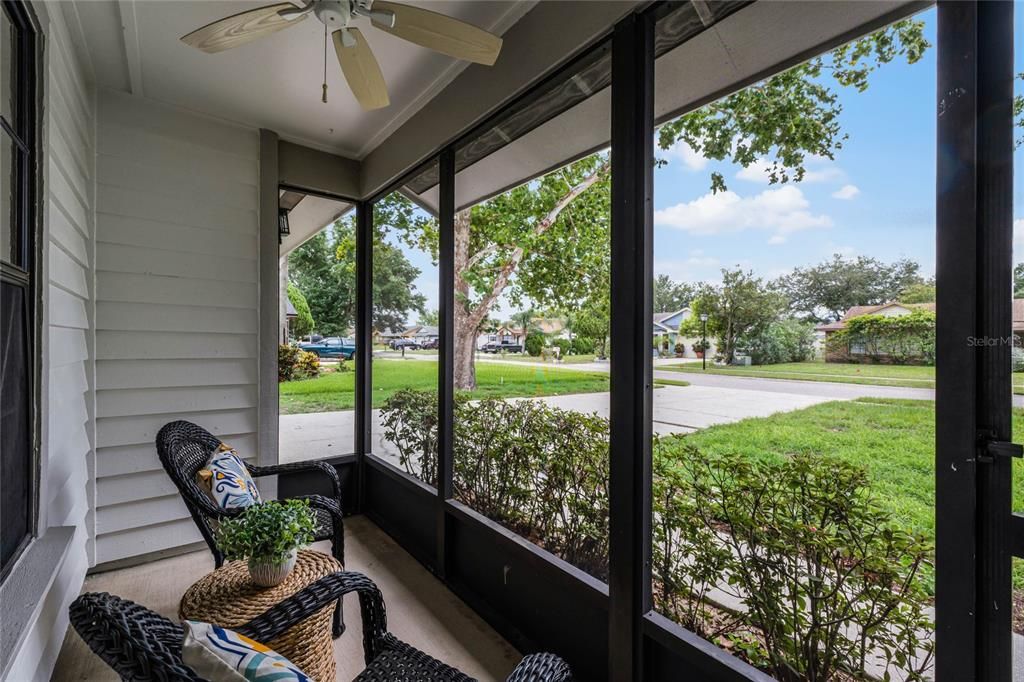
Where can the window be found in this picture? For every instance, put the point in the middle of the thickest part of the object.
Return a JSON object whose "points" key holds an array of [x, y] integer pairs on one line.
{"points": [[18, 285], [405, 330], [316, 364], [532, 308]]}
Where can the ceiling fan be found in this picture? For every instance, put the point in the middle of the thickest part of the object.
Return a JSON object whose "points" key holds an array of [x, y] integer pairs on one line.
{"points": [[432, 30]]}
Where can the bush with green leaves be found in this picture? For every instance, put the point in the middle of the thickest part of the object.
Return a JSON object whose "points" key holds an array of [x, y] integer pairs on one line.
{"points": [[582, 345], [267, 532], [1017, 359], [828, 583], [308, 365], [782, 341], [564, 346], [534, 343], [287, 358], [897, 339]]}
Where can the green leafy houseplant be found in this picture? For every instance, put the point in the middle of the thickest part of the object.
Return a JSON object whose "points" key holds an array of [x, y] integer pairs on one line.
{"points": [[268, 535]]}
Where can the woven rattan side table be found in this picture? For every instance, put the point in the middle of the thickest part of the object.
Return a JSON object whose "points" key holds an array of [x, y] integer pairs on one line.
{"points": [[228, 597]]}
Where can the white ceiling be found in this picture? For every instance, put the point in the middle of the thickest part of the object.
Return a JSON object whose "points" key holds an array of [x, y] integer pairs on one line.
{"points": [[273, 82]]}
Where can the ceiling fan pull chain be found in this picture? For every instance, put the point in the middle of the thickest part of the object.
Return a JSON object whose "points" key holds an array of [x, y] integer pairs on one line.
{"points": [[324, 97]]}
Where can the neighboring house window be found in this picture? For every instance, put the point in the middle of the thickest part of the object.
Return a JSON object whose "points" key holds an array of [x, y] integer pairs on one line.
{"points": [[19, 349]]}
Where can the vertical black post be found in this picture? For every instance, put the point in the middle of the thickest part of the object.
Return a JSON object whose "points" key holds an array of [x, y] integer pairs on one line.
{"points": [[632, 159], [364, 340], [446, 347], [994, 201], [973, 259]]}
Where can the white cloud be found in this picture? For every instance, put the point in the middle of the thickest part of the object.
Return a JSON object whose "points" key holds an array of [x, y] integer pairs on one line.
{"points": [[781, 212], [685, 153], [755, 172], [846, 192]]}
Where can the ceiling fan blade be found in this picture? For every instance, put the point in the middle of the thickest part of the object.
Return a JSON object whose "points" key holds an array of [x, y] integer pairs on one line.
{"points": [[361, 69], [441, 33], [240, 28]]}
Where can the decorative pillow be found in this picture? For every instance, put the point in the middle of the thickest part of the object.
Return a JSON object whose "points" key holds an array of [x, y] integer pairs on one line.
{"points": [[228, 481], [221, 655]]}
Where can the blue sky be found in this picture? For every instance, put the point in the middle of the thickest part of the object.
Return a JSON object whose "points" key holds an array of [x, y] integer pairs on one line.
{"points": [[877, 198]]}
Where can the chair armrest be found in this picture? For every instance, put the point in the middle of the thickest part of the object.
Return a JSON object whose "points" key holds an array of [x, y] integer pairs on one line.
{"points": [[324, 592], [541, 667], [311, 465]]}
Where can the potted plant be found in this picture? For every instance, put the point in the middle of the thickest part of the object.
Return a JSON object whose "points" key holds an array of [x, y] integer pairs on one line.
{"points": [[680, 350], [699, 348], [269, 535]]}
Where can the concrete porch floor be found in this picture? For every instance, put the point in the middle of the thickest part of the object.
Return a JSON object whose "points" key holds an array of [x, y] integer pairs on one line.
{"points": [[420, 609]]}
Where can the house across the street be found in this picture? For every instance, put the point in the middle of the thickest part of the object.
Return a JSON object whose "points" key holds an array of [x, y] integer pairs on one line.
{"points": [[891, 309]]}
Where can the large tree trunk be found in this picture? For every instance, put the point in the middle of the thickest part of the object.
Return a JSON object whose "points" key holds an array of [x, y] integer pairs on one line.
{"points": [[466, 323]]}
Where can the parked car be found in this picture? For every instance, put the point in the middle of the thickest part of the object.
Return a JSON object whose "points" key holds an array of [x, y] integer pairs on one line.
{"points": [[500, 346], [408, 344], [332, 347], [431, 344]]}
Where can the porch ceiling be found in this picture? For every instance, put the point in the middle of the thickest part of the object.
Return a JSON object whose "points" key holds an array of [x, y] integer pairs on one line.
{"points": [[273, 82]]}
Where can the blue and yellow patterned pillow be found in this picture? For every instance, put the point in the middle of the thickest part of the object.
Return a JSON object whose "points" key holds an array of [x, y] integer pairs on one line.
{"points": [[228, 481], [222, 655]]}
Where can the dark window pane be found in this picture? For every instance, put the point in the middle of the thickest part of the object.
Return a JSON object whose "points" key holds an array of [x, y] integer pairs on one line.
{"points": [[8, 164], [8, 68], [15, 424]]}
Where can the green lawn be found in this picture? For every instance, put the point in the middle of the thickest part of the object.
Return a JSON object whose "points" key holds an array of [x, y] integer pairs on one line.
{"points": [[517, 357], [893, 439], [336, 391], [877, 375]]}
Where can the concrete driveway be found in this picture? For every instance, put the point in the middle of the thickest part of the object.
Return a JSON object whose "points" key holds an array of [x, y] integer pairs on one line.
{"points": [[677, 409]]}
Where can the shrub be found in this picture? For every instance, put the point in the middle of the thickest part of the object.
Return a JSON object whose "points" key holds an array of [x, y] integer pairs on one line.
{"points": [[564, 346], [903, 339], [538, 470], [1017, 359], [534, 343], [287, 357], [307, 366], [268, 531], [783, 341], [827, 580], [582, 345]]}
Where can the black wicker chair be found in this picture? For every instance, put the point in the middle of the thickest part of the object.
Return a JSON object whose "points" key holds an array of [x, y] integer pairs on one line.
{"points": [[142, 645], [184, 449]]}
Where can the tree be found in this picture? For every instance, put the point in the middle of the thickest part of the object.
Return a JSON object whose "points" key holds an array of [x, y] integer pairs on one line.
{"points": [[922, 292], [429, 318], [741, 307], [324, 268], [827, 290], [548, 240], [303, 322], [793, 114], [670, 296], [1018, 280]]}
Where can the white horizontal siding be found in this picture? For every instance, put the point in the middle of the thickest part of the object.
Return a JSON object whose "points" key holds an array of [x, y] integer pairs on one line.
{"points": [[176, 307]]}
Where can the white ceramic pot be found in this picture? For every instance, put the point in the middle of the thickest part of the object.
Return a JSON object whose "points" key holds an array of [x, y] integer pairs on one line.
{"points": [[267, 574]]}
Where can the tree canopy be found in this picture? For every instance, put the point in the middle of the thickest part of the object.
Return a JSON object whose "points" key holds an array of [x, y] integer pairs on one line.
{"points": [[794, 114], [670, 296], [826, 291], [739, 308], [324, 267], [303, 322]]}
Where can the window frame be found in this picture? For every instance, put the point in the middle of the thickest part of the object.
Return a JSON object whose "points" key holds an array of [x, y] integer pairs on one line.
{"points": [[24, 133]]}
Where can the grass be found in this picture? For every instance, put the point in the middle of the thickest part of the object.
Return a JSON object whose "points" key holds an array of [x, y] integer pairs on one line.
{"points": [[336, 391], [913, 376], [893, 439], [670, 382], [516, 357]]}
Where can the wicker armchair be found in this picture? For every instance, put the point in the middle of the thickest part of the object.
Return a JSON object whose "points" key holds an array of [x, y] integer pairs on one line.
{"points": [[142, 645], [184, 449]]}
